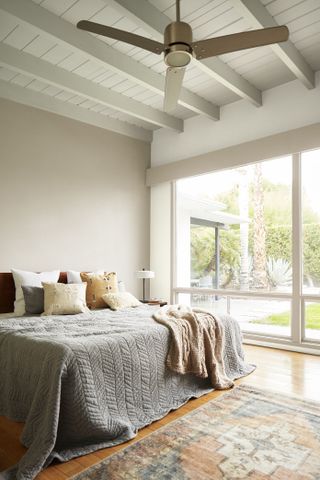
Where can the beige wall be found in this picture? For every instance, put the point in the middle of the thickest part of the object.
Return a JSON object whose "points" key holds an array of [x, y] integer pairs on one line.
{"points": [[285, 107], [160, 240], [292, 141], [72, 196]]}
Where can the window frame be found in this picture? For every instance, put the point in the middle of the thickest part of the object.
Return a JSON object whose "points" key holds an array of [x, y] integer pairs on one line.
{"points": [[297, 340]]}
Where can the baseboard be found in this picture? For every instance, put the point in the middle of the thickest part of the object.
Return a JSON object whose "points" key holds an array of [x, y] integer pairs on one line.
{"points": [[283, 346]]}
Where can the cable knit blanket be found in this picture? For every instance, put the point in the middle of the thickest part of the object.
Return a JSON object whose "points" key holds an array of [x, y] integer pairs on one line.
{"points": [[85, 382], [197, 343]]}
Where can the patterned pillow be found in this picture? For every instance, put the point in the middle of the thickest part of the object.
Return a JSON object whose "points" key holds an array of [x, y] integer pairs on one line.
{"points": [[64, 299], [119, 300], [98, 285]]}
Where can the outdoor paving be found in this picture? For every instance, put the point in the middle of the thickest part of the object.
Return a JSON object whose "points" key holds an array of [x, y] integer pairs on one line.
{"points": [[248, 310]]}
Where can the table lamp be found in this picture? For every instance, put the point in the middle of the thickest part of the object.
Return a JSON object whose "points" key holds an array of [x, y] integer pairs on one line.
{"points": [[145, 275]]}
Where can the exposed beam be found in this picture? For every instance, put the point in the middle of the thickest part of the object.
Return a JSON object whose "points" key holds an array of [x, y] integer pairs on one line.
{"points": [[39, 100], [259, 17], [144, 14], [23, 62], [64, 33], [151, 19], [230, 79]]}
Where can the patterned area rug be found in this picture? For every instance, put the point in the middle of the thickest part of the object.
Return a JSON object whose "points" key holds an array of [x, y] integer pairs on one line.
{"points": [[244, 434]]}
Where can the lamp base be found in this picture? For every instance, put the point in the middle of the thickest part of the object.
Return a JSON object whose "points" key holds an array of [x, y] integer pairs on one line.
{"points": [[144, 289]]}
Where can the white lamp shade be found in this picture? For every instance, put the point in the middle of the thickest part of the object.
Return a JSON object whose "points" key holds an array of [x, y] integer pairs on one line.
{"points": [[145, 274]]}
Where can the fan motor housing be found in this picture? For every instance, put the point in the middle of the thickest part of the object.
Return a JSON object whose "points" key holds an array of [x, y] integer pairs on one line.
{"points": [[177, 32], [177, 41]]}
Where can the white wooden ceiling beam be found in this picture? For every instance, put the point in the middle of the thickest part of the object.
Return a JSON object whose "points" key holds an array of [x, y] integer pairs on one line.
{"points": [[222, 73], [23, 62], [151, 19], [259, 17], [64, 33], [39, 100], [144, 14]]}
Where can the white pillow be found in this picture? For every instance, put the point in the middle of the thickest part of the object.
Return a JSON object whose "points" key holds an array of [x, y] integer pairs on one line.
{"points": [[74, 277], [119, 300], [64, 299], [21, 277]]}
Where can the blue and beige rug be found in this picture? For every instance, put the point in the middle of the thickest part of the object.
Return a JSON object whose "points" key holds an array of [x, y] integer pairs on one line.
{"points": [[245, 434]]}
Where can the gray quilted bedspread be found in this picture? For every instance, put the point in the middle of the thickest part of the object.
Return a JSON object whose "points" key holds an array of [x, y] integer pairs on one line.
{"points": [[89, 381]]}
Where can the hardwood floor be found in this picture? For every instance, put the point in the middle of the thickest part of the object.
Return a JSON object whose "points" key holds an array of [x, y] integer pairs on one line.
{"points": [[279, 370]]}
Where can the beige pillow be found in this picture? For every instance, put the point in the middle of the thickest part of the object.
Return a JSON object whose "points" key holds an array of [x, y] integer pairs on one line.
{"points": [[119, 300], [98, 285], [64, 299]]}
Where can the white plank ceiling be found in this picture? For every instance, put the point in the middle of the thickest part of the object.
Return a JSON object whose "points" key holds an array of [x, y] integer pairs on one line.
{"points": [[111, 95]]}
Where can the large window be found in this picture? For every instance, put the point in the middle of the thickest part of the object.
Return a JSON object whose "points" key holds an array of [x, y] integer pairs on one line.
{"points": [[310, 195], [310, 163], [234, 245]]}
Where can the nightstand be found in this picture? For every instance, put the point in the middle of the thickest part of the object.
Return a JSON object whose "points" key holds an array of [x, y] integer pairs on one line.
{"points": [[160, 303]]}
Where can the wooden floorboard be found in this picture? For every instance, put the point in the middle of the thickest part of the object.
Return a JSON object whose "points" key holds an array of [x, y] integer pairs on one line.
{"points": [[278, 370]]}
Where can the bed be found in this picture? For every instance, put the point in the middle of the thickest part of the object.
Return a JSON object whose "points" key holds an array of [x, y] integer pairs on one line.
{"points": [[89, 381]]}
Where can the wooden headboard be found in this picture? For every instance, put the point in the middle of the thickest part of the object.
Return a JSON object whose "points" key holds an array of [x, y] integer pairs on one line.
{"points": [[8, 291]]}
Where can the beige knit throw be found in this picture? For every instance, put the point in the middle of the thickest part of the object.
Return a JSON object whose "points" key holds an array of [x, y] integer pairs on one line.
{"points": [[197, 342]]}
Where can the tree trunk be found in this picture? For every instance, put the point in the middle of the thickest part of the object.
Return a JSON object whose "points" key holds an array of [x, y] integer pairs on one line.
{"points": [[260, 278], [244, 228]]}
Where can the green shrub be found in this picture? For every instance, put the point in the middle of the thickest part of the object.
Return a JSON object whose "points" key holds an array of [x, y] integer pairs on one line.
{"points": [[311, 259], [278, 242], [203, 249], [278, 246]]}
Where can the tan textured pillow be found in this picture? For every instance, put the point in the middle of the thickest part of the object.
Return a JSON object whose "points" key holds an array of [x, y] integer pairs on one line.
{"points": [[64, 299], [98, 285], [119, 300]]}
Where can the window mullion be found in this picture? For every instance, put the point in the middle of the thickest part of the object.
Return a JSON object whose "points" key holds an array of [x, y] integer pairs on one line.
{"points": [[296, 324]]}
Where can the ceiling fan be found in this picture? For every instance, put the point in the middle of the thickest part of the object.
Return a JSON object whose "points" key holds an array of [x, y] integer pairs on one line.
{"points": [[179, 48]]}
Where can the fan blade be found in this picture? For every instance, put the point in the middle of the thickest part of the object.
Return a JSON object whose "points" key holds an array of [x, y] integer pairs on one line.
{"points": [[123, 36], [239, 41], [174, 79]]}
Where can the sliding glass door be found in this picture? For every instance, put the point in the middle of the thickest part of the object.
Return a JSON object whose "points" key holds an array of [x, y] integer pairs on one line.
{"points": [[235, 248]]}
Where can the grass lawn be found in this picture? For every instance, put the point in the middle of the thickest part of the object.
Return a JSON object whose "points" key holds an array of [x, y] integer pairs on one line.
{"points": [[312, 318]]}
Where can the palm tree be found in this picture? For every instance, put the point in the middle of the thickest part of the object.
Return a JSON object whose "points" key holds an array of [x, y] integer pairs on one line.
{"points": [[260, 278]]}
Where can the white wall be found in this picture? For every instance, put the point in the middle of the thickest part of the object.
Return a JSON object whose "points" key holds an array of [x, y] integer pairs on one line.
{"points": [[72, 196], [284, 108], [160, 241]]}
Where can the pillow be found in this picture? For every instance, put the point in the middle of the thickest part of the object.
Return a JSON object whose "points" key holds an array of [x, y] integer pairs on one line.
{"points": [[98, 285], [64, 299], [32, 279], [33, 298], [74, 277], [119, 300]]}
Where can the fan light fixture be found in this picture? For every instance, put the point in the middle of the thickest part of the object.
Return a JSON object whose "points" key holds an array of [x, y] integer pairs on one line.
{"points": [[179, 47], [179, 58]]}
